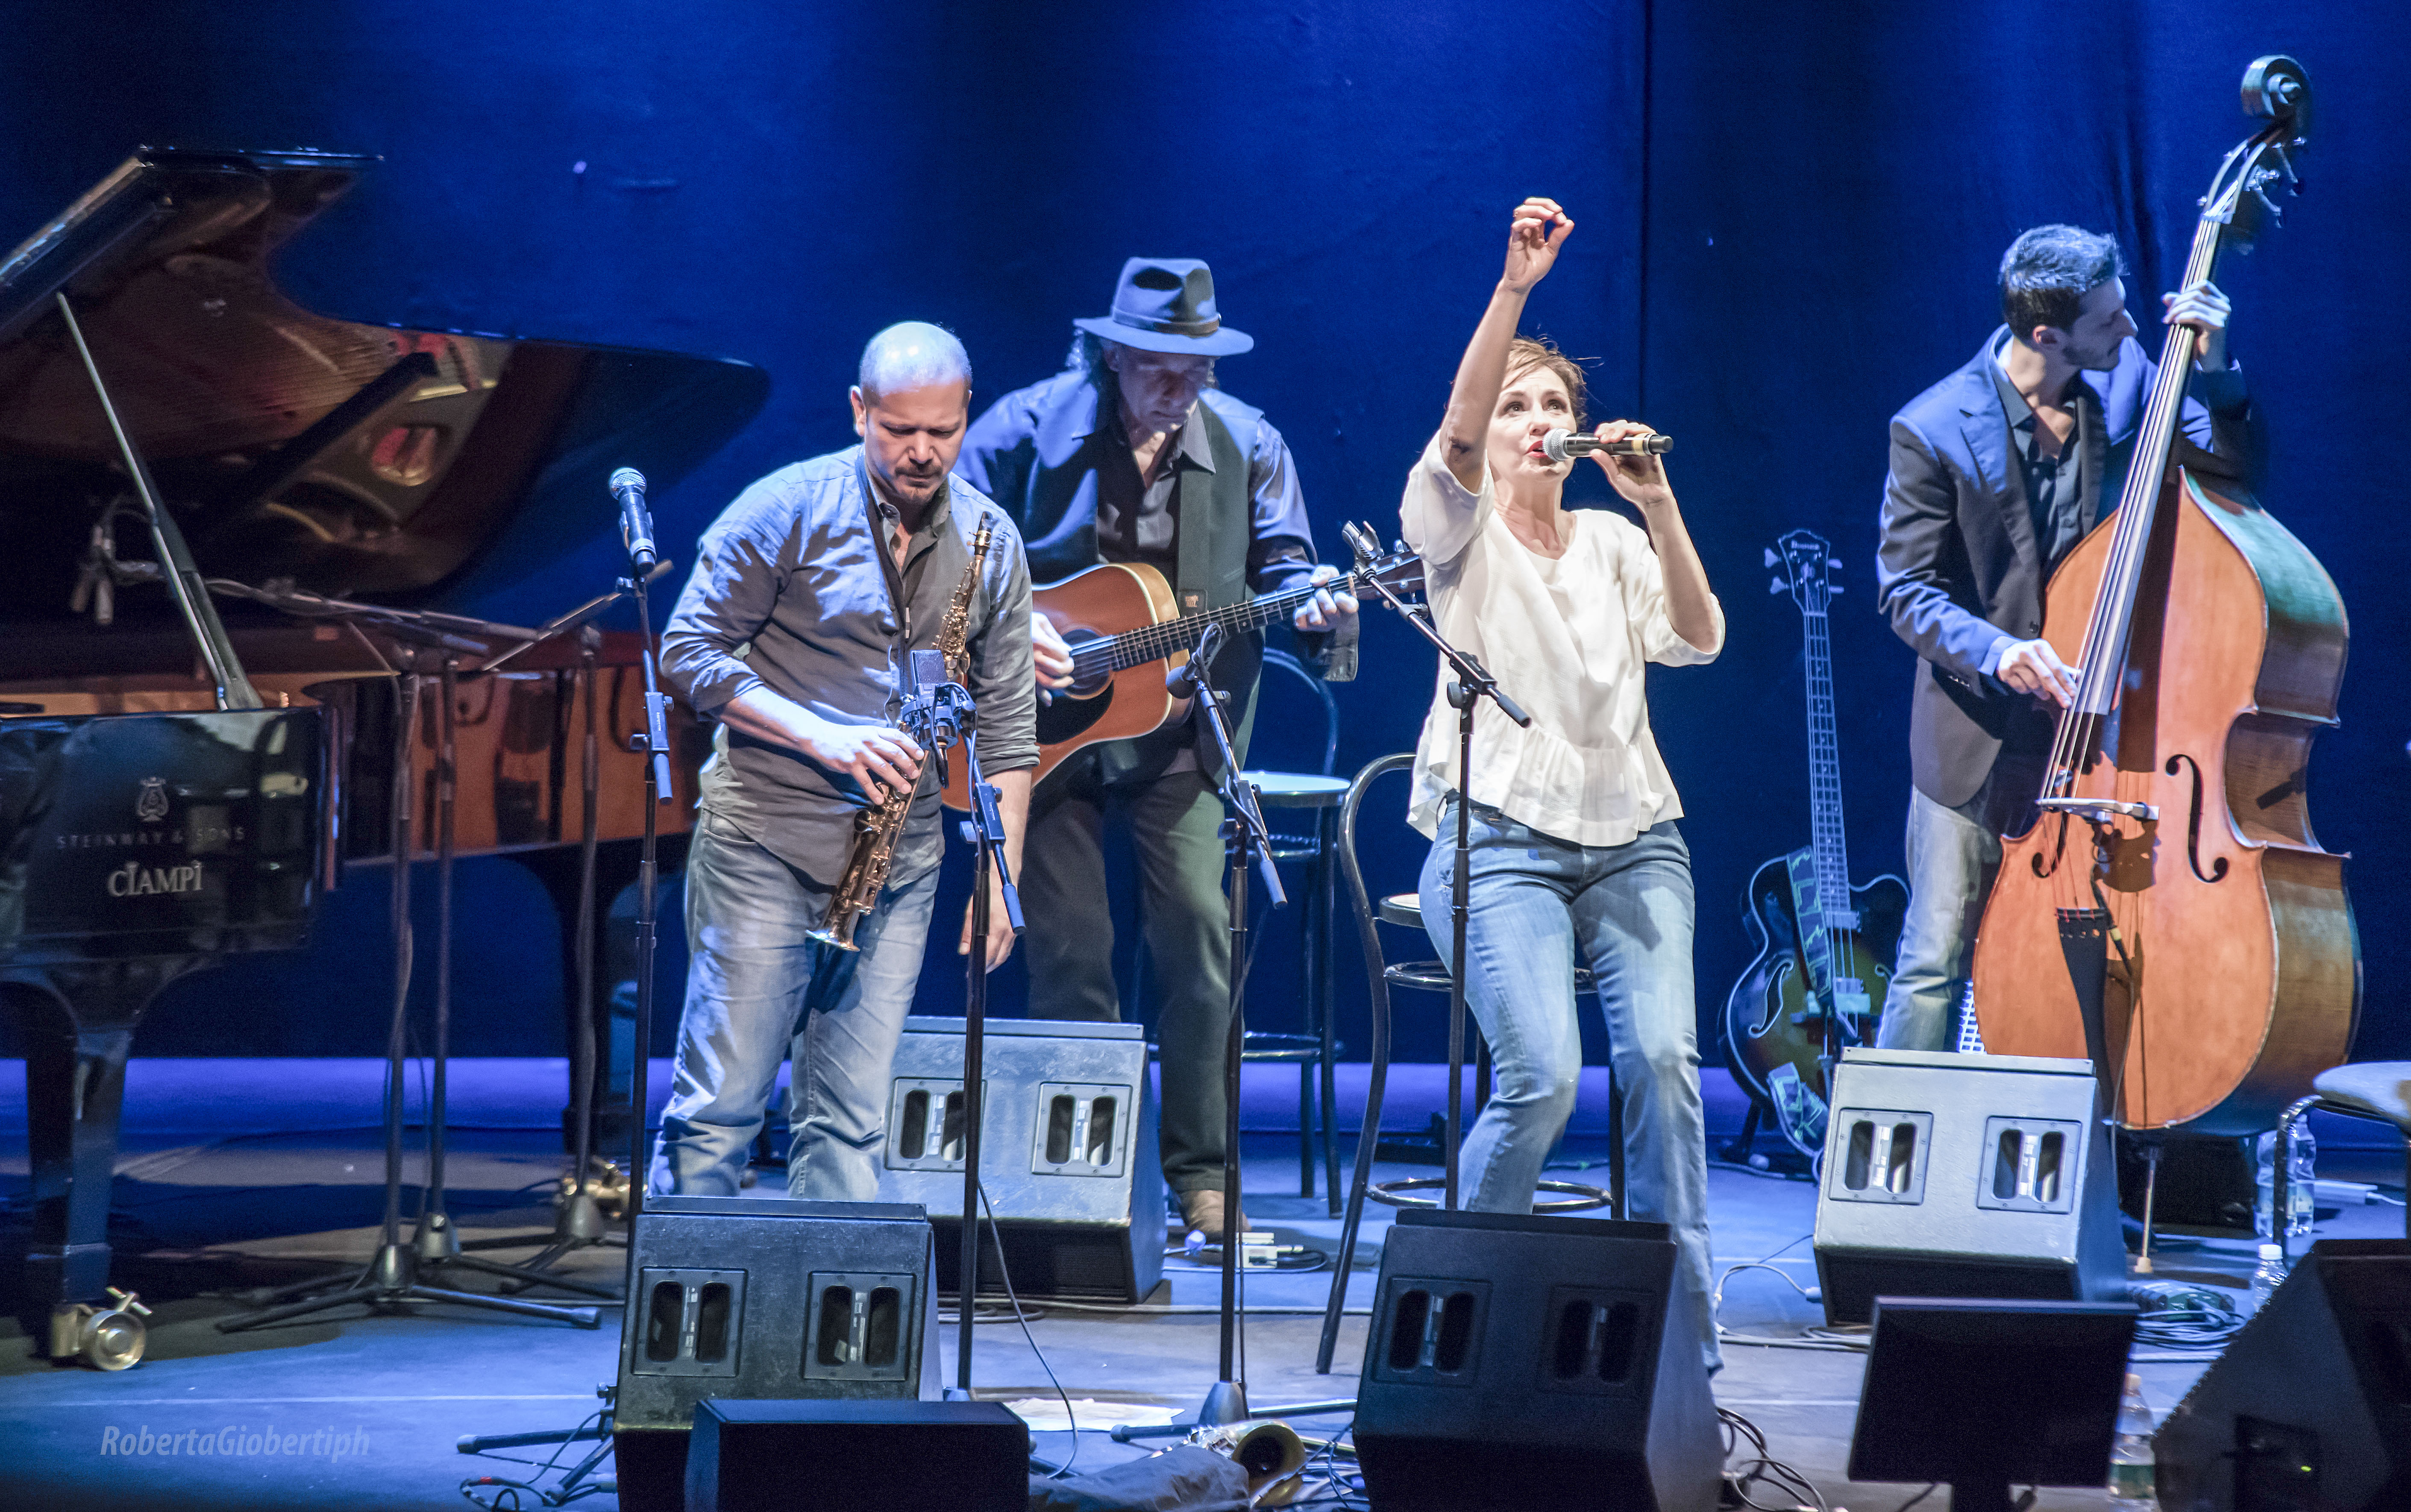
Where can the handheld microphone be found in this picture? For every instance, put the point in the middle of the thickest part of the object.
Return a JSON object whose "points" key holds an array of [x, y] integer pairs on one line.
{"points": [[1563, 446], [635, 525], [1183, 681]]}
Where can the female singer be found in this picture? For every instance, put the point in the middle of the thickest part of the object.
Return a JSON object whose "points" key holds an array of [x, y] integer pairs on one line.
{"points": [[1574, 852]]}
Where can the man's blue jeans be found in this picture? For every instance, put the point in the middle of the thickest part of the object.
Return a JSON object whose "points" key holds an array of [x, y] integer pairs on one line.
{"points": [[757, 990], [1535, 906], [1951, 862]]}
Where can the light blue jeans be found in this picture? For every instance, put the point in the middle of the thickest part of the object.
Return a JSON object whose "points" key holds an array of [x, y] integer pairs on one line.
{"points": [[756, 992], [1952, 859], [1534, 902]]}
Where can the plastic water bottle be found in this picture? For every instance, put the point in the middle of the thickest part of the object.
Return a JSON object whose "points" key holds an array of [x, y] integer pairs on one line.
{"points": [[2302, 1178], [2269, 1275], [2130, 1457]]}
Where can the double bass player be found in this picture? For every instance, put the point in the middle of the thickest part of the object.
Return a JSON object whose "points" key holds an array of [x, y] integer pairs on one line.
{"points": [[1998, 472]]}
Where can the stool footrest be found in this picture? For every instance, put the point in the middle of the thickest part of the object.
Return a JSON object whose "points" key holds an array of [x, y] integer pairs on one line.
{"points": [[1393, 1194]]}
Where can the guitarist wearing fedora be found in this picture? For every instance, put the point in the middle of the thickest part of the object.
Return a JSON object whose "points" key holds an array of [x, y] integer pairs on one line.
{"points": [[1998, 472], [1132, 454]]}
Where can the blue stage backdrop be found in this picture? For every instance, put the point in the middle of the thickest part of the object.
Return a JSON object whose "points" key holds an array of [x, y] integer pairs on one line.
{"points": [[1788, 218]]}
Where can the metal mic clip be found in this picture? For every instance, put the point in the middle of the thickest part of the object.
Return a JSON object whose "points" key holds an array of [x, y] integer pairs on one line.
{"points": [[1362, 541]]}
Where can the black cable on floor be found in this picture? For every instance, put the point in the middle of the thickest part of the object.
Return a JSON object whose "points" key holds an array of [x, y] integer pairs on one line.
{"points": [[1006, 1276]]}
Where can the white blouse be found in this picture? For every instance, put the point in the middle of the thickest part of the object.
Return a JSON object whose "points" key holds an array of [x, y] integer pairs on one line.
{"points": [[1568, 640]]}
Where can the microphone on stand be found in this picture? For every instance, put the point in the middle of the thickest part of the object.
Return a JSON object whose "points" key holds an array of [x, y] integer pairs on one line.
{"points": [[636, 524], [1563, 445], [1185, 682]]}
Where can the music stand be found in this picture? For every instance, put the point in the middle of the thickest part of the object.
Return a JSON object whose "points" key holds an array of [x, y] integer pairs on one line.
{"points": [[1984, 1395]]}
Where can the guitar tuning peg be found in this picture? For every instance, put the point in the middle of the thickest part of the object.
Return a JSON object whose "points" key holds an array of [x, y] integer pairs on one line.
{"points": [[1770, 556], [1834, 562], [1775, 586], [1832, 589]]}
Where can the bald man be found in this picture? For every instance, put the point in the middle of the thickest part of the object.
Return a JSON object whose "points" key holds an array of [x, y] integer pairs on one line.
{"points": [[807, 591]]}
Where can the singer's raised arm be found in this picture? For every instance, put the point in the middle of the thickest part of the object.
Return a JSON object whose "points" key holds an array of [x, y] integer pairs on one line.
{"points": [[1531, 251]]}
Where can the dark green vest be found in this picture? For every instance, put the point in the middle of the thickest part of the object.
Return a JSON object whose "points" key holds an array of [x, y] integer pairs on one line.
{"points": [[1217, 520]]}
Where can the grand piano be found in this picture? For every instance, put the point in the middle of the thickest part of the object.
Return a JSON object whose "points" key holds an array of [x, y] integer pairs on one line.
{"points": [[185, 768]]}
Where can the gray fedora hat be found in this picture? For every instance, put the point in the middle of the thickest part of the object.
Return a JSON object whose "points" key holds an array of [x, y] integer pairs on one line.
{"points": [[1167, 304]]}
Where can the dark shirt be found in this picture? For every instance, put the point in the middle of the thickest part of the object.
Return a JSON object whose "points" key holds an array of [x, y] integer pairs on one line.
{"points": [[2054, 486], [1046, 426], [1141, 522], [789, 593]]}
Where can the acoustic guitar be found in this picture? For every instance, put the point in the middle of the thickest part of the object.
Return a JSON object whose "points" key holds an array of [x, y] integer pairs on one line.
{"points": [[1123, 625], [1825, 948]]}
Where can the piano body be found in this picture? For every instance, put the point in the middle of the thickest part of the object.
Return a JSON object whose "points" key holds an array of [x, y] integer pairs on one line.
{"points": [[180, 781]]}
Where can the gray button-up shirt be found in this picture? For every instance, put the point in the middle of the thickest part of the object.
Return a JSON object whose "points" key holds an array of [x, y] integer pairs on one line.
{"points": [[789, 593]]}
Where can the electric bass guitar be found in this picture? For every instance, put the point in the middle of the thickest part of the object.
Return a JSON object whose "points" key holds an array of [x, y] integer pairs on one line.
{"points": [[1122, 620], [1825, 948]]}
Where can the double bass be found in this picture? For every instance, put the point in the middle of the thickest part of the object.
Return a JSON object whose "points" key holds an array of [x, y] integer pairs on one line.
{"points": [[2169, 914]]}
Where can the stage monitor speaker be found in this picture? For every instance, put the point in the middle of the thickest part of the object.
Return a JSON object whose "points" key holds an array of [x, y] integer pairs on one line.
{"points": [[1067, 1154], [827, 1455], [2310, 1405], [1965, 1175], [1523, 1362], [771, 1299]]}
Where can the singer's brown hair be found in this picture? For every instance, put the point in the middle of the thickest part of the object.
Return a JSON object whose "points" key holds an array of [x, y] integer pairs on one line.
{"points": [[1526, 353]]}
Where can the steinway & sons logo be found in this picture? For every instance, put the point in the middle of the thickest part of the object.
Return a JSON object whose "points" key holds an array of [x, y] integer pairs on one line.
{"points": [[152, 806]]}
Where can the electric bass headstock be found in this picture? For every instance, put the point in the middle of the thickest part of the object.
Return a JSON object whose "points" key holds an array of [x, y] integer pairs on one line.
{"points": [[1808, 566]]}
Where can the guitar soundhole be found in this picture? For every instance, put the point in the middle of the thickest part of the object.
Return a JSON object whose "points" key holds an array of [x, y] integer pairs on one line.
{"points": [[1087, 681], [1068, 717]]}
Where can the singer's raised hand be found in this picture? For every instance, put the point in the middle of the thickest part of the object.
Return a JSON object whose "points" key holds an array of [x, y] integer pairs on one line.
{"points": [[1641, 479], [1532, 244]]}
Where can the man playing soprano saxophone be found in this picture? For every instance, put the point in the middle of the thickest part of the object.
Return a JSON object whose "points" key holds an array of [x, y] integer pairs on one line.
{"points": [[808, 592]]}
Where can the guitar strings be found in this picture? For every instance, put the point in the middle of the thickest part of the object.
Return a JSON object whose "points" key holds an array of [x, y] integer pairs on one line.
{"points": [[1153, 642]]}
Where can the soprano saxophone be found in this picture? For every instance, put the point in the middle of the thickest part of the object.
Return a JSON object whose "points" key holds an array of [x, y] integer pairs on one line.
{"points": [[876, 830]]}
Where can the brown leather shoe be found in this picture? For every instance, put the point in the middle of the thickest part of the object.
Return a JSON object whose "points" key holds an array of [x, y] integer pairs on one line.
{"points": [[1201, 1211]]}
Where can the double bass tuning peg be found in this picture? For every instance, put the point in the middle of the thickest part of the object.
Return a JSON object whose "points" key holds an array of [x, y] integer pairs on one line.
{"points": [[1770, 556], [1775, 585]]}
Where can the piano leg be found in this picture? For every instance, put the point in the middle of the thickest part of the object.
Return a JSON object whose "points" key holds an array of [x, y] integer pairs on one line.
{"points": [[75, 1091]]}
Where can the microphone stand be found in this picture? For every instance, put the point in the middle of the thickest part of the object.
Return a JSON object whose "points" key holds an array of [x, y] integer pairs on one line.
{"points": [[1249, 844], [1471, 685], [938, 724], [652, 742], [395, 1275], [577, 1221]]}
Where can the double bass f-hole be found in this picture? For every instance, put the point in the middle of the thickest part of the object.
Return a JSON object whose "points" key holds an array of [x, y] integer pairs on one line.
{"points": [[2217, 872], [2045, 865]]}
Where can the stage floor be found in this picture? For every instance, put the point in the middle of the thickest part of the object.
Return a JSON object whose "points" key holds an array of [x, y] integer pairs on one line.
{"points": [[244, 1173]]}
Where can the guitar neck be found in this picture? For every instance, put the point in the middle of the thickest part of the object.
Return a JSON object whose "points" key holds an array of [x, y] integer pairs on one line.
{"points": [[1170, 637], [1825, 827]]}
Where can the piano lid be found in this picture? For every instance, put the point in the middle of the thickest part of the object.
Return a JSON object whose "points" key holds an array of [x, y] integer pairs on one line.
{"points": [[356, 460]]}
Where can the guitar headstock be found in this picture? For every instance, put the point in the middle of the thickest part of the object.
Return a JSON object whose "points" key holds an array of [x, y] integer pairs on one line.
{"points": [[1808, 565]]}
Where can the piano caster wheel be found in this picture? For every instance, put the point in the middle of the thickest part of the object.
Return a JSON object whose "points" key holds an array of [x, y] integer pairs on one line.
{"points": [[109, 1338]]}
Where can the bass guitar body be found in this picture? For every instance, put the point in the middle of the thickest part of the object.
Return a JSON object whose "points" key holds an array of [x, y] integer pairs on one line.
{"points": [[1774, 1019], [2233, 970]]}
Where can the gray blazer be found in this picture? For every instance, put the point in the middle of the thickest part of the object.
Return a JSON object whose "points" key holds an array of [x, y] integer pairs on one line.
{"points": [[1957, 565]]}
